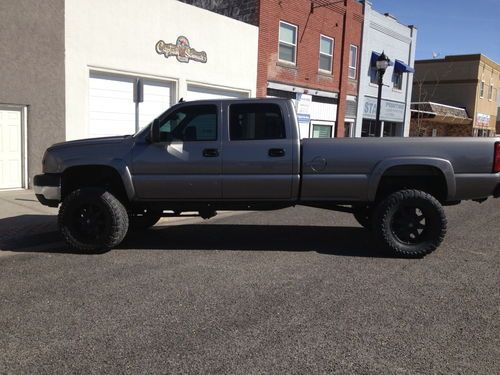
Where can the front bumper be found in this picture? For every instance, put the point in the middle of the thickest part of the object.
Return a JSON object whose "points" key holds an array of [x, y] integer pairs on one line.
{"points": [[47, 189]]}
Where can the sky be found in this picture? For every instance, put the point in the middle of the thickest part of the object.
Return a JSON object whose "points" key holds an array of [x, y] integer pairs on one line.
{"points": [[449, 27]]}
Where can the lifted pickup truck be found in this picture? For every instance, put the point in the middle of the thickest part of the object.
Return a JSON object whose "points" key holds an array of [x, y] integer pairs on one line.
{"points": [[206, 156]]}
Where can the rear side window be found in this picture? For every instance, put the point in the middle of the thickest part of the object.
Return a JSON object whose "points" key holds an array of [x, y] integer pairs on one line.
{"points": [[255, 121]]}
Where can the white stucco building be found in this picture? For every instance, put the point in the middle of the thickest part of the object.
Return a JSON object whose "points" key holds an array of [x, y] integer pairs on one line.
{"points": [[127, 61], [383, 33]]}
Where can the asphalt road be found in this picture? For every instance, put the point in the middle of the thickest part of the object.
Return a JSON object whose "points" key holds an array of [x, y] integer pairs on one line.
{"points": [[296, 291]]}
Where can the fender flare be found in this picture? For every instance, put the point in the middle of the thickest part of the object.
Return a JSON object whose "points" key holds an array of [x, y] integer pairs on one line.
{"points": [[119, 165], [441, 164]]}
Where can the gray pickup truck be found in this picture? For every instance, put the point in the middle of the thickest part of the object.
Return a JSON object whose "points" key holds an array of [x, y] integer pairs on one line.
{"points": [[208, 156]]}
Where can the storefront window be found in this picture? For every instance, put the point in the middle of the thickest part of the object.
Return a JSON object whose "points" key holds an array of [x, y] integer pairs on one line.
{"points": [[392, 129], [347, 129], [322, 131], [370, 129]]}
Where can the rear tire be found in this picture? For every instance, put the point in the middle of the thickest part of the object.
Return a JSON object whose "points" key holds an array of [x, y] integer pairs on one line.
{"points": [[92, 220], [411, 223]]}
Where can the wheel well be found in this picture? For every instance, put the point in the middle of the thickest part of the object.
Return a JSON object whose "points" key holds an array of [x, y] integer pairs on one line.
{"points": [[419, 177], [93, 176]]}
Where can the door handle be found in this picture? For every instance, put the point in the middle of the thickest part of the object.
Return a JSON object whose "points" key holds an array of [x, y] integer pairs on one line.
{"points": [[210, 152], [276, 152]]}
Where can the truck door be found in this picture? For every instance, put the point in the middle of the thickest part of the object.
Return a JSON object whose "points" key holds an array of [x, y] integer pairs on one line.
{"points": [[258, 152], [186, 163]]}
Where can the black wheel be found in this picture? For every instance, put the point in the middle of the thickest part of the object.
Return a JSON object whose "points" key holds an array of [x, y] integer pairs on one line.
{"points": [[92, 220], [411, 223], [364, 216], [143, 221]]}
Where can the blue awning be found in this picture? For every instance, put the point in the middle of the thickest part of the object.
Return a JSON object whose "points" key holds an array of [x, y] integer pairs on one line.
{"points": [[373, 60], [401, 67]]}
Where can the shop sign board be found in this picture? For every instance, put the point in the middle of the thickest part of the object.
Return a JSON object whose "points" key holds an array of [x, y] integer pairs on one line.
{"points": [[389, 111], [304, 103], [303, 118], [482, 120], [181, 50]]}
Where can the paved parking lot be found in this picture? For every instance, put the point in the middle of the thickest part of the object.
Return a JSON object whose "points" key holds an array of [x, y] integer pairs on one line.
{"points": [[294, 291]]}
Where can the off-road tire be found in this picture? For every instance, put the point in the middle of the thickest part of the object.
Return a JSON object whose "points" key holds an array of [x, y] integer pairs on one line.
{"points": [[364, 216], [398, 227], [143, 221], [110, 227]]}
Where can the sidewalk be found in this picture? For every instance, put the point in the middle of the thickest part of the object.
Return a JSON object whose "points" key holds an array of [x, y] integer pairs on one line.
{"points": [[24, 222]]}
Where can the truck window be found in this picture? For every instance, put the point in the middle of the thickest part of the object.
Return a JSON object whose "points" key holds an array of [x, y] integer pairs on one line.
{"points": [[256, 121], [192, 123]]}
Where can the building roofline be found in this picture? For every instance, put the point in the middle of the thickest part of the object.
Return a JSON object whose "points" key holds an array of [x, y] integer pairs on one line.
{"points": [[454, 58]]}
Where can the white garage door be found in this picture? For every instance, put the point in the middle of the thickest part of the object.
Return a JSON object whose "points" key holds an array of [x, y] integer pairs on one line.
{"points": [[112, 104], [157, 99], [202, 93], [11, 169]]}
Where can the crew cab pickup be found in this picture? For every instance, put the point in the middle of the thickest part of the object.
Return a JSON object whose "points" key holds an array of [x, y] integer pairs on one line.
{"points": [[208, 156]]}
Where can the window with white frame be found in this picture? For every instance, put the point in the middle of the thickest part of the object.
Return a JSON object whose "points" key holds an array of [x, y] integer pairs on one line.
{"points": [[287, 42], [353, 61], [490, 92], [481, 89], [326, 45], [398, 80]]}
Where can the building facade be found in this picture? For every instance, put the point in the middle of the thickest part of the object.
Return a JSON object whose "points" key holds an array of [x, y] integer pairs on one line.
{"points": [[383, 33], [430, 119], [309, 51], [466, 81], [86, 74]]}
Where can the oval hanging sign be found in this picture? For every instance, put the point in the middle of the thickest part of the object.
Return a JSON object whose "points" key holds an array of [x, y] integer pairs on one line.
{"points": [[181, 50]]}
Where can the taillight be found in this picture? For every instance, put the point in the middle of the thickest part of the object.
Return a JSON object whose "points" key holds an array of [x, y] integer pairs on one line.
{"points": [[496, 160]]}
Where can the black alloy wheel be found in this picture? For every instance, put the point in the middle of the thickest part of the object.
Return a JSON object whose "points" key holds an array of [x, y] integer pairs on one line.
{"points": [[92, 220], [411, 223]]}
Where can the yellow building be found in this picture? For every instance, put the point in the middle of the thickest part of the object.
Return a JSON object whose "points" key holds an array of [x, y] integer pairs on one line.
{"points": [[466, 81]]}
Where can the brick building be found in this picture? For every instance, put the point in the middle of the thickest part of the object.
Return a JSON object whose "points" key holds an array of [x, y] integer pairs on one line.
{"points": [[309, 51], [468, 81]]}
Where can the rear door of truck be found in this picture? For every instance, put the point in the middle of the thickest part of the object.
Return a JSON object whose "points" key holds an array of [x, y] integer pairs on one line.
{"points": [[260, 157]]}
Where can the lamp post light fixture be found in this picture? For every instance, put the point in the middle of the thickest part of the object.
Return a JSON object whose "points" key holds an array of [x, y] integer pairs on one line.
{"points": [[381, 64]]}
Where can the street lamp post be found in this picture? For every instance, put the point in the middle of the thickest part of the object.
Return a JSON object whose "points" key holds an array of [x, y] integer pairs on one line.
{"points": [[381, 64]]}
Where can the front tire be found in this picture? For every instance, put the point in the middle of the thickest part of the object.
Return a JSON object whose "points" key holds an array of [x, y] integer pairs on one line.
{"points": [[411, 223], [92, 220]]}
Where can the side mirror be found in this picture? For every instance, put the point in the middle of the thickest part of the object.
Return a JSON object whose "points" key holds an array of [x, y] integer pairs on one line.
{"points": [[154, 131]]}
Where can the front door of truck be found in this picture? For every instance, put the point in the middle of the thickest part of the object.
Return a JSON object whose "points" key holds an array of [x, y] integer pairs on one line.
{"points": [[186, 163], [258, 152]]}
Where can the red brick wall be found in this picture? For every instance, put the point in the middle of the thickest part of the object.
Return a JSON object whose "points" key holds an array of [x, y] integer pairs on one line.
{"points": [[342, 22]]}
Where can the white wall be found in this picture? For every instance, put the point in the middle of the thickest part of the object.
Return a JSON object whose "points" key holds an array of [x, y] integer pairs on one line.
{"points": [[398, 41], [120, 36]]}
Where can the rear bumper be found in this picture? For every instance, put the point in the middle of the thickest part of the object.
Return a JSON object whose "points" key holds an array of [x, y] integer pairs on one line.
{"points": [[47, 189], [477, 186]]}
